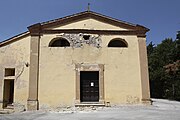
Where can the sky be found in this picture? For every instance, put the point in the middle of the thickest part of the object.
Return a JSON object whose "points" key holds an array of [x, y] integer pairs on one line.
{"points": [[162, 17]]}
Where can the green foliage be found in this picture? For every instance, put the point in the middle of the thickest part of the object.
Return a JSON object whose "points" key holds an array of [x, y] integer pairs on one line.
{"points": [[164, 81]]}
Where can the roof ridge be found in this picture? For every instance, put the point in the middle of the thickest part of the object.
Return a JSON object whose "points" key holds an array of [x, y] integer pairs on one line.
{"points": [[115, 19], [84, 12], [53, 20]]}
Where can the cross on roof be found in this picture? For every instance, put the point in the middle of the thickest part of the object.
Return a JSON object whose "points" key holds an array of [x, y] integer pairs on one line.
{"points": [[88, 7]]}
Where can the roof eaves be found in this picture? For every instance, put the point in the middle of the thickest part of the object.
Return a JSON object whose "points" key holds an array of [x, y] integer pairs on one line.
{"points": [[58, 19], [114, 19], [89, 13], [14, 38]]}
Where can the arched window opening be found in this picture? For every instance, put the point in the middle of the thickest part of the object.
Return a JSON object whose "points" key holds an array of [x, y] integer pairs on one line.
{"points": [[118, 43], [59, 42]]}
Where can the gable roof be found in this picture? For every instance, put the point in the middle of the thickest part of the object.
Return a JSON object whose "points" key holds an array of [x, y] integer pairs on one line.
{"points": [[36, 29], [89, 14]]}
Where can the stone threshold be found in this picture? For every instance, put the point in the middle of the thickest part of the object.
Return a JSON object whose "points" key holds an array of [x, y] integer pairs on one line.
{"points": [[88, 104]]}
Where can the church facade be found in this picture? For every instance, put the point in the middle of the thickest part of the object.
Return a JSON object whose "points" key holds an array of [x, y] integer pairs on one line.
{"points": [[82, 59]]}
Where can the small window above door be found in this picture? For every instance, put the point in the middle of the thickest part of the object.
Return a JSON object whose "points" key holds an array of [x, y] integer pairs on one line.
{"points": [[9, 72]]}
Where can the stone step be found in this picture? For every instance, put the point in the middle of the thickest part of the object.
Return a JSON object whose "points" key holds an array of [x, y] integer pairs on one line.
{"points": [[86, 104], [6, 111], [10, 106]]}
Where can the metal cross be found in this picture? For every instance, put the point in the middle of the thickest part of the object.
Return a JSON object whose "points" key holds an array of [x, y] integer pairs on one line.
{"points": [[88, 7]]}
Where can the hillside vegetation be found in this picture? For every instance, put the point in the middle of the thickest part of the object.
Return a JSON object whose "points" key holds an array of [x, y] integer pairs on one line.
{"points": [[164, 68]]}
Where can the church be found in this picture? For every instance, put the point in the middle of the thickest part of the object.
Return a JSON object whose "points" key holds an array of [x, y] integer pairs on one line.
{"points": [[85, 59]]}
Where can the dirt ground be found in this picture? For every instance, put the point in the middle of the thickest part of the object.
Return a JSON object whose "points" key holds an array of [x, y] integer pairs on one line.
{"points": [[160, 110]]}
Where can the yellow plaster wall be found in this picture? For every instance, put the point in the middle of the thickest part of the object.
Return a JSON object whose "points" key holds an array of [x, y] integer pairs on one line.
{"points": [[121, 71], [15, 55]]}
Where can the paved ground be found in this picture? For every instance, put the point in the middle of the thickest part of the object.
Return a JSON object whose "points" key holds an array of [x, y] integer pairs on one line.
{"points": [[160, 110]]}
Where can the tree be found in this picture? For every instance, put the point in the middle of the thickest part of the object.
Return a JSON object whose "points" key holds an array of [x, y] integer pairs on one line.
{"points": [[164, 81]]}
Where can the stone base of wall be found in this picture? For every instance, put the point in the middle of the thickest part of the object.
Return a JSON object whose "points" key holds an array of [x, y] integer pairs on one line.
{"points": [[18, 107], [32, 105], [1, 105], [147, 101]]}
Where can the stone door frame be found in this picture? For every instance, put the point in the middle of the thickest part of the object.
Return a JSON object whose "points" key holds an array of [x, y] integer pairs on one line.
{"points": [[90, 67]]}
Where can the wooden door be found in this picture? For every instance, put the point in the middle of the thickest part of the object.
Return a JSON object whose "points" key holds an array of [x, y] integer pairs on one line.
{"points": [[8, 92], [89, 86]]}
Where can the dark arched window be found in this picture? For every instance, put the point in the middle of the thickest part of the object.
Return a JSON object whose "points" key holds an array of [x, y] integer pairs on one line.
{"points": [[118, 43], [59, 42]]}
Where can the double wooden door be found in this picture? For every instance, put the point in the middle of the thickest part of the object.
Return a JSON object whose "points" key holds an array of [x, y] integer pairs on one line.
{"points": [[89, 86]]}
